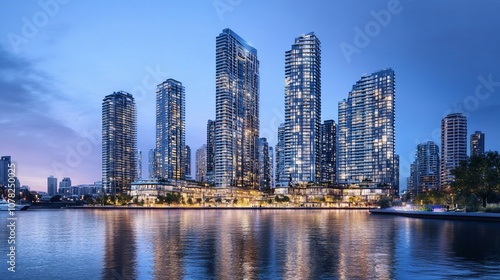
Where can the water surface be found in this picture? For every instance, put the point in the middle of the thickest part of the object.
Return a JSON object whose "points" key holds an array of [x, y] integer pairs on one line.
{"points": [[247, 244]]}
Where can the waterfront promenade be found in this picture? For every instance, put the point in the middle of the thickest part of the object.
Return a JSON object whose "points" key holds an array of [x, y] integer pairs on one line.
{"points": [[465, 216]]}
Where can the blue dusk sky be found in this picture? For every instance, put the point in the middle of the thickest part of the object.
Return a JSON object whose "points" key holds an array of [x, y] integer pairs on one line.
{"points": [[58, 59]]}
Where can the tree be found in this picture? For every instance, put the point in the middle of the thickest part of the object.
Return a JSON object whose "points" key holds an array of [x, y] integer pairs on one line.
{"points": [[55, 198], [479, 175]]}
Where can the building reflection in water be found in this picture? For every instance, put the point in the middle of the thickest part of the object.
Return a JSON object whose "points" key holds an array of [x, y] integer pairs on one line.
{"points": [[120, 245], [290, 244]]}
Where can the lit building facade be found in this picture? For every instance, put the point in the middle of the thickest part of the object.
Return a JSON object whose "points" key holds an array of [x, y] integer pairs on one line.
{"points": [[281, 180], [303, 110], [119, 142], [52, 185], [366, 133], [5, 162], [170, 130], [453, 145], [329, 152], [201, 164], [187, 162], [477, 144], [264, 166], [210, 157], [237, 112], [425, 170], [64, 185], [139, 164], [152, 163]]}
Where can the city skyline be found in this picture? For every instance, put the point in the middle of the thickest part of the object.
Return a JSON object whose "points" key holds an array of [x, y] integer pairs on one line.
{"points": [[52, 104]]}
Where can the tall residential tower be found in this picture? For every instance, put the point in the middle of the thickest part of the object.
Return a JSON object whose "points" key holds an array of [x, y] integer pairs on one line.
{"points": [[119, 142], [237, 112], [477, 144], [170, 130], [366, 143], [303, 110], [453, 144]]}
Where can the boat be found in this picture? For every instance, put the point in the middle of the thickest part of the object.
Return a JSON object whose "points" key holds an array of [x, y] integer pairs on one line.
{"points": [[4, 206]]}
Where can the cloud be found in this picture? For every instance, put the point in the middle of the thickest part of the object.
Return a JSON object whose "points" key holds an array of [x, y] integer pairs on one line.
{"points": [[33, 133]]}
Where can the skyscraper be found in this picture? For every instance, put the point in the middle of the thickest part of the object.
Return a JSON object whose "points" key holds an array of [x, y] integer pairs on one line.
{"points": [[303, 110], [453, 144], [201, 164], [237, 112], [477, 144], [425, 171], [119, 142], [271, 167], [329, 152], [152, 164], [170, 130], [187, 162], [5, 161], [264, 165], [210, 156], [139, 164], [65, 186], [281, 180], [51, 185], [366, 131]]}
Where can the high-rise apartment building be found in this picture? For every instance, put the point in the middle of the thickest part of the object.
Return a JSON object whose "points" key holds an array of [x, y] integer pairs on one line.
{"points": [[264, 166], [366, 133], [425, 172], [65, 186], [119, 142], [271, 167], [237, 112], [5, 161], [170, 130], [477, 144], [210, 156], [52, 185], [453, 145], [139, 164], [201, 164], [187, 162], [303, 110], [281, 180], [152, 164], [329, 152]]}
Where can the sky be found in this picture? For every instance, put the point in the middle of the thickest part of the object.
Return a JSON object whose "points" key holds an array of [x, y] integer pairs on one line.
{"points": [[59, 58]]}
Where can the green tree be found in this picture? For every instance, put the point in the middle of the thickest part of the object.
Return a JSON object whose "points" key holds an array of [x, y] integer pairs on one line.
{"points": [[479, 175]]}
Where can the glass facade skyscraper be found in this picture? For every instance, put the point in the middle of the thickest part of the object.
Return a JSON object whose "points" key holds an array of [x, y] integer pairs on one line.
{"points": [[453, 144], [119, 142], [201, 164], [366, 143], [425, 172], [329, 152], [237, 112], [303, 110], [281, 180], [170, 130], [477, 144], [265, 167], [210, 156]]}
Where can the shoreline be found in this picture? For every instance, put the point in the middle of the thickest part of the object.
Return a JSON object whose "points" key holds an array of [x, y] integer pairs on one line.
{"points": [[462, 216], [211, 208]]}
